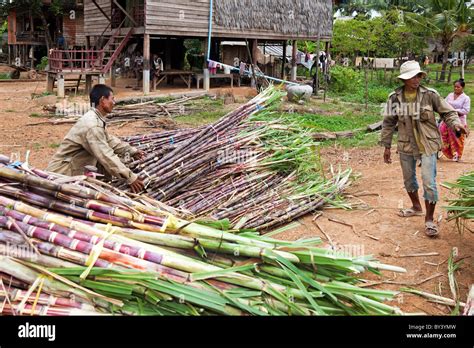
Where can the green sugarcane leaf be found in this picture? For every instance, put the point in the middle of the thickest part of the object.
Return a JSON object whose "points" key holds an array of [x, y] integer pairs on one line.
{"points": [[200, 250], [226, 272], [223, 225]]}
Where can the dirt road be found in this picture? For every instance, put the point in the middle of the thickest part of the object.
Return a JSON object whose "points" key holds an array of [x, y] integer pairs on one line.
{"points": [[380, 232]]}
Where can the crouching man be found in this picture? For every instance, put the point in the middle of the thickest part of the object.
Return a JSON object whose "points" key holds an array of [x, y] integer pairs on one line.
{"points": [[89, 144]]}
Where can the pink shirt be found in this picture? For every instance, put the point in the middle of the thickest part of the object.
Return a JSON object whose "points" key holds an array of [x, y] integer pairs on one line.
{"points": [[462, 105]]}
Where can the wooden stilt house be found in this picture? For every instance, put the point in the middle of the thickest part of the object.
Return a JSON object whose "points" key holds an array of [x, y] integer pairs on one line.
{"points": [[161, 26]]}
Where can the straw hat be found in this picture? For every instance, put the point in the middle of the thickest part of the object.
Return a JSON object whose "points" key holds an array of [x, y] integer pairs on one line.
{"points": [[410, 69]]}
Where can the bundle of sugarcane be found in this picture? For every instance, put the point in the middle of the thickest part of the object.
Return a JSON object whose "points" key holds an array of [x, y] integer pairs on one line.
{"points": [[252, 167], [109, 253], [128, 112], [152, 109], [461, 208]]}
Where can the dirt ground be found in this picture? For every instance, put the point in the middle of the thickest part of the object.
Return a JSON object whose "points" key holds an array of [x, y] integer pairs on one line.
{"points": [[379, 188]]}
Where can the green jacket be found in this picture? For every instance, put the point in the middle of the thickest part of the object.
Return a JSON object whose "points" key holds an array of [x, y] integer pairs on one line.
{"points": [[397, 112], [89, 143]]}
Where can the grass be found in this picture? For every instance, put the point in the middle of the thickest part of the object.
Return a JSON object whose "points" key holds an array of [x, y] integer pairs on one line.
{"points": [[210, 110], [54, 145], [336, 116], [5, 76], [10, 110], [40, 95], [201, 118], [378, 91], [35, 114], [164, 99], [325, 123]]}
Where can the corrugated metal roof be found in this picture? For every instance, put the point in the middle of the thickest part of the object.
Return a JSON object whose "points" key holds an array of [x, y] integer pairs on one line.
{"points": [[276, 50]]}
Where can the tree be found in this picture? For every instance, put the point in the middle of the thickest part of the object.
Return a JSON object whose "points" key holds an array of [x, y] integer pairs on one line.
{"points": [[364, 7], [350, 37], [466, 44], [385, 36]]}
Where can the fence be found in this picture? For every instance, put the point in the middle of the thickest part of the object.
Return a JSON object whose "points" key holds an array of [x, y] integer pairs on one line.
{"points": [[76, 60]]}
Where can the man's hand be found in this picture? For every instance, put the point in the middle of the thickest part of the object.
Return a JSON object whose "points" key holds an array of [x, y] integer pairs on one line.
{"points": [[137, 186], [387, 156], [139, 155], [462, 130]]}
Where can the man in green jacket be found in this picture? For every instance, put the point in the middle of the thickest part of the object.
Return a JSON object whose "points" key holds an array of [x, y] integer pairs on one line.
{"points": [[412, 108], [89, 144]]}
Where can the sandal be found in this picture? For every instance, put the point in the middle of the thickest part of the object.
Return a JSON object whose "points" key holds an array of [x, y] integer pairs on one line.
{"points": [[410, 212], [431, 229]]}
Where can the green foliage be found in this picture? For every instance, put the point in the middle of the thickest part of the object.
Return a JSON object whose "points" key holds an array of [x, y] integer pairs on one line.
{"points": [[349, 120], [194, 57], [42, 65], [3, 28], [309, 46], [57, 7], [386, 36], [464, 43], [350, 37], [344, 79]]}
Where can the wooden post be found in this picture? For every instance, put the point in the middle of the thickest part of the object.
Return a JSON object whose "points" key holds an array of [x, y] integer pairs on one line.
{"points": [[366, 89], [326, 71], [61, 92], [88, 47], [113, 79], [50, 85], [253, 51], [88, 83], [206, 82], [316, 76], [449, 74], [283, 61], [293, 61], [146, 64], [168, 53]]}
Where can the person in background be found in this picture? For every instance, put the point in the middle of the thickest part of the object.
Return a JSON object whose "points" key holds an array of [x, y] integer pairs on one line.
{"points": [[453, 144], [411, 107], [89, 144], [426, 61]]}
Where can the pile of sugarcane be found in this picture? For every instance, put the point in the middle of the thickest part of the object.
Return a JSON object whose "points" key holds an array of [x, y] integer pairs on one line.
{"points": [[461, 208], [124, 112], [71, 246], [250, 167], [151, 109]]}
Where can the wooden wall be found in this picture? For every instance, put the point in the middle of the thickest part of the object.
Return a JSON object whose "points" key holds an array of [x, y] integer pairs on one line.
{"points": [[94, 20], [12, 27], [73, 29], [188, 18]]}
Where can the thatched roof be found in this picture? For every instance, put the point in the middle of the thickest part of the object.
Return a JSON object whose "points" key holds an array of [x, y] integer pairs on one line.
{"points": [[288, 17]]}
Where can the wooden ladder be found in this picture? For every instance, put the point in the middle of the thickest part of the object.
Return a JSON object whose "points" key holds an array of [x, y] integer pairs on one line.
{"points": [[114, 47]]}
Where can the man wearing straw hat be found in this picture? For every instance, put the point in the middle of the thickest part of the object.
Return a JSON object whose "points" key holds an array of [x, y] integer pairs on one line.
{"points": [[89, 144], [411, 107]]}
